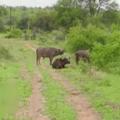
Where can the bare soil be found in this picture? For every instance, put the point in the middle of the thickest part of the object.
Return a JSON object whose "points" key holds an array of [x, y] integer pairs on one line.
{"points": [[34, 110], [76, 99]]}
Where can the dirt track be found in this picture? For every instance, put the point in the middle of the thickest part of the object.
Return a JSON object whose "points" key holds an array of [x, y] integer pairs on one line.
{"points": [[34, 110], [77, 100]]}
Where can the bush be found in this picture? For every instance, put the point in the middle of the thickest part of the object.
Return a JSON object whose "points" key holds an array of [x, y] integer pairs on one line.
{"points": [[84, 38], [104, 45], [58, 35], [15, 33], [107, 56]]}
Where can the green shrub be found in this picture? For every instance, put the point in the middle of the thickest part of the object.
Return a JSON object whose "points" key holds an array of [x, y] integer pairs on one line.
{"points": [[15, 33], [84, 38], [104, 45], [58, 35], [108, 56]]}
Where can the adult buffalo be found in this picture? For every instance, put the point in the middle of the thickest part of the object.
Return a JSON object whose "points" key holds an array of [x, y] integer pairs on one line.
{"points": [[60, 63], [82, 55], [47, 53]]}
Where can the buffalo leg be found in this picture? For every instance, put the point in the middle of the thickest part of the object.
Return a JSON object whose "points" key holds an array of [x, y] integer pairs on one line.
{"points": [[51, 60], [38, 60], [77, 60]]}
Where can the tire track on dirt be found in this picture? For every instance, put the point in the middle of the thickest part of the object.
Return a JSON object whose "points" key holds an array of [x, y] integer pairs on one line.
{"points": [[79, 102], [34, 110]]}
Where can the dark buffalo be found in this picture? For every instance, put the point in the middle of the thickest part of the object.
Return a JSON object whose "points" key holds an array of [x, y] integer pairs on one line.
{"points": [[60, 63], [82, 55], [47, 53]]}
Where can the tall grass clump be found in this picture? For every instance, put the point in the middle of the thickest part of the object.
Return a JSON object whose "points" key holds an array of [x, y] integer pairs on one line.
{"points": [[14, 33], [4, 53]]}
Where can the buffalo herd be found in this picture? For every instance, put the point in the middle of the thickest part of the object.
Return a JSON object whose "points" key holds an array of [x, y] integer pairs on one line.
{"points": [[60, 62]]}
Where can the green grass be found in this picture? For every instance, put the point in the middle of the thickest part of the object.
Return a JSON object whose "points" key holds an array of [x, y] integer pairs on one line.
{"points": [[56, 99], [8, 95], [102, 90], [13, 88], [17, 90]]}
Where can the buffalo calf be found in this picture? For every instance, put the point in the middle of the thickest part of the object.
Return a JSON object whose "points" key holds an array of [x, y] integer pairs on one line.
{"points": [[60, 63]]}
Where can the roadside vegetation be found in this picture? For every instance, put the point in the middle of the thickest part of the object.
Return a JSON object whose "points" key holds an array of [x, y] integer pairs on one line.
{"points": [[13, 88], [70, 25], [100, 88]]}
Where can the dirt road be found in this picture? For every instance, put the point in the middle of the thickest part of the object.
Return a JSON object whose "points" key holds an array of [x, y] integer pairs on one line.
{"points": [[79, 102], [34, 110]]}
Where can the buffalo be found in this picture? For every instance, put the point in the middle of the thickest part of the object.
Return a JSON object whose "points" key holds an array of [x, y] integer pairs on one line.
{"points": [[60, 63], [82, 55], [47, 53]]}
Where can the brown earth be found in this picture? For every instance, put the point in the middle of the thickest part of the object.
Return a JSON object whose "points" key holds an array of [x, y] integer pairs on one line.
{"points": [[34, 110], [76, 99]]}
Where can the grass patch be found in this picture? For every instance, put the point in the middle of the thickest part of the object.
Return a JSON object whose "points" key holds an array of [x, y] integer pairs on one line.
{"points": [[55, 95], [13, 88], [101, 88], [8, 94]]}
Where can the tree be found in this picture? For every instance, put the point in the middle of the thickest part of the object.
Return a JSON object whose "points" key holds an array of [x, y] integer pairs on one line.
{"points": [[23, 23], [3, 14], [68, 17], [3, 11], [44, 20], [93, 6], [69, 13], [25, 19], [110, 17], [2, 25]]}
